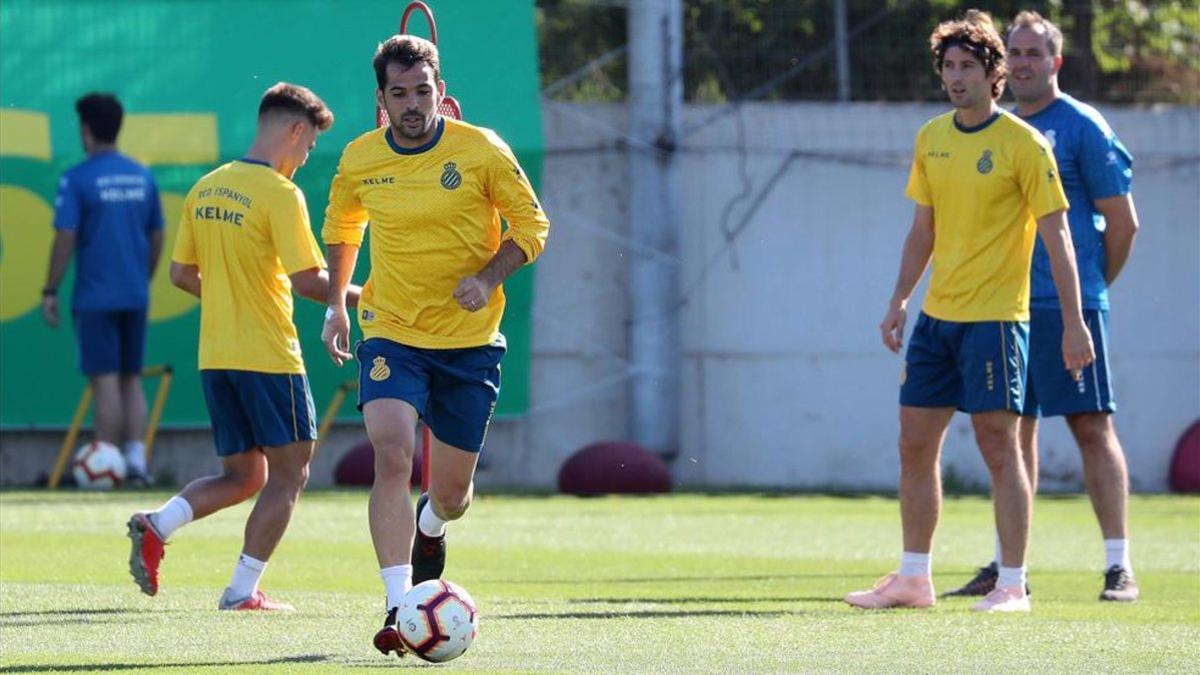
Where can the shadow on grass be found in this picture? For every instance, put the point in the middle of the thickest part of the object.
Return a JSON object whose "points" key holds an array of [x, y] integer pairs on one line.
{"points": [[78, 621], [645, 614], [705, 601], [659, 580], [92, 667], [79, 617], [89, 612]]}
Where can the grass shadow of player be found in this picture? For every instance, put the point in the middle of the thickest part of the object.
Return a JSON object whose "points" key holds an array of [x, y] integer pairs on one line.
{"points": [[645, 614], [92, 667], [79, 617], [677, 579], [700, 600], [88, 612]]}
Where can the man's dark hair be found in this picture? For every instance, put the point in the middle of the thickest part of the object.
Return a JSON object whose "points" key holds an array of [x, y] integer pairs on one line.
{"points": [[408, 51], [298, 100], [975, 33], [102, 113]]}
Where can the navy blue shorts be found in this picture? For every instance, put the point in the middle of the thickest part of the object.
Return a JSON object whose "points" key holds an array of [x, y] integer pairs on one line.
{"points": [[110, 341], [257, 410], [1054, 391], [453, 390], [973, 366]]}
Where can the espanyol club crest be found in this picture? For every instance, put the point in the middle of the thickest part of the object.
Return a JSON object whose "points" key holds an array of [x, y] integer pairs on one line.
{"points": [[451, 178], [984, 165]]}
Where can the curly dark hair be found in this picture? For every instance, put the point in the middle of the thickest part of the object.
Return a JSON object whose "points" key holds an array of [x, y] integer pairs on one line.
{"points": [[975, 33], [408, 51]]}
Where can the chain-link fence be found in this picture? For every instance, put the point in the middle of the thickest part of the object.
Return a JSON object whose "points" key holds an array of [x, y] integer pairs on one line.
{"points": [[1116, 51]]}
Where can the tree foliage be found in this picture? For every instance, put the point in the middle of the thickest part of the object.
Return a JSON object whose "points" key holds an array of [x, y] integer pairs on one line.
{"points": [[1116, 50]]}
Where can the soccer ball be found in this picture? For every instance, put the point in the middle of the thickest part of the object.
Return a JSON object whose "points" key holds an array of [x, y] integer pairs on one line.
{"points": [[98, 465], [437, 620]]}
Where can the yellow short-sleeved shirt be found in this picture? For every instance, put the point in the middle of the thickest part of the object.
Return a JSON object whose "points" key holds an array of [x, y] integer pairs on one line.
{"points": [[987, 186], [246, 227], [435, 217]]}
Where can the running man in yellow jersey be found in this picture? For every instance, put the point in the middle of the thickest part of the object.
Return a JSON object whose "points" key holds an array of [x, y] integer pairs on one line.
{"points": [[985, 185], [433, 190], [244, 244]]}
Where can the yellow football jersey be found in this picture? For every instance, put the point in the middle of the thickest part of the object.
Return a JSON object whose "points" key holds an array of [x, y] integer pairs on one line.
{"points": [[987, 186], [435, 218], [246, 227]]}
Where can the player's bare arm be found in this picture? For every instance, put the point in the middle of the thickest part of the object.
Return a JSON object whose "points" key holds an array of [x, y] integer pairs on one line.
{"points": [[336, 332], [918, 248], [60, 257], [313, 283], [1078, 351], [186, 277], [474, 291], [1122, 226]]}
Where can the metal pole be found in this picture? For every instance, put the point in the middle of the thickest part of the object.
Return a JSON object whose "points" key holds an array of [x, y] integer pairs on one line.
{"points": [[841, 49], [655, 103]]}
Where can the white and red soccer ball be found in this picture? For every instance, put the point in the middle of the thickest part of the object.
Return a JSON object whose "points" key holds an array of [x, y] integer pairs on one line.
{"points": [[438, 620], [98, 465]]}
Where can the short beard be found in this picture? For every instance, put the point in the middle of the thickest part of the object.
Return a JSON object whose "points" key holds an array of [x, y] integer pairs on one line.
{"points": [[399, 126]]}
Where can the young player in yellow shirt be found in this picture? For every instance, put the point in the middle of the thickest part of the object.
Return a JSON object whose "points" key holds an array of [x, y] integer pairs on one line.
{"points": [[244, 244]]}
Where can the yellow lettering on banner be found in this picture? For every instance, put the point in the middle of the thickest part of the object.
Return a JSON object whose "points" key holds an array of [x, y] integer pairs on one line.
{"points": [[24, 133], [25, 235], [166, 301], [183, 138]]}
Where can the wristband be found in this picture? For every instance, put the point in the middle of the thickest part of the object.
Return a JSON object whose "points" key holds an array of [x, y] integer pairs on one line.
{"points": [[328, 313]]}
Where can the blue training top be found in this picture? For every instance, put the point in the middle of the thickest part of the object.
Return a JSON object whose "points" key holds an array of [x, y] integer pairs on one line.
{"points": [[111, 203], [1093, 165]]}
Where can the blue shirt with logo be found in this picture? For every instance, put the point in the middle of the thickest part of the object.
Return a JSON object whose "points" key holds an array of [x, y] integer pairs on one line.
{"points": [[1093, 165], [111, 204]]}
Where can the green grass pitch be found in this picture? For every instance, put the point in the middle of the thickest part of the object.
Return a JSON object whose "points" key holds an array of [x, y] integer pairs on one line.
{"points": [[685, 583]]}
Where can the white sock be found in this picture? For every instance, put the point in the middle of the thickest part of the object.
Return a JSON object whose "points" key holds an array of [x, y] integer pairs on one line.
{"points": [[1011, 576], [997, 558], [916, 564], [135, 455], [171, 516], [1117, 553], [245, 577], [430, 524], [397, 580]]}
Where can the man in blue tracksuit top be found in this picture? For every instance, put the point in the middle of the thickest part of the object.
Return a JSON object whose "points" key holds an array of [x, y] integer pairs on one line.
{"points": [[1096, 172], [107, 213]]}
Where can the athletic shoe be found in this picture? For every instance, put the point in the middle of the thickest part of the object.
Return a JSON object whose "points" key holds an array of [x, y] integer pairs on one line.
{"points": [[428, 553], [1004, 599], [255, 601], [983, 583], [388, 640], [146, 552], [1119, 585], [895, 591]]}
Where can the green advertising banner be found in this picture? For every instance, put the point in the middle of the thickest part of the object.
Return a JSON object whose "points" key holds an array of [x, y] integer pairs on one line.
{"points": [[190, 75]]}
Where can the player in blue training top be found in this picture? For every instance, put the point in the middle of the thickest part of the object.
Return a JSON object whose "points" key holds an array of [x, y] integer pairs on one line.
{"points": [[1096, 174], [107, 212]]}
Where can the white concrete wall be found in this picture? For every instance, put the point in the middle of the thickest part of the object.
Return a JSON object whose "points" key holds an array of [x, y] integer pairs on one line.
{"points": [[785, 382]]}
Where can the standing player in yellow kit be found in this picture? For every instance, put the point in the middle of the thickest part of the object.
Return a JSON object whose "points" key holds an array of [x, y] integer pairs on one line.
{"points": [[434, 190], [985, 186]]}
